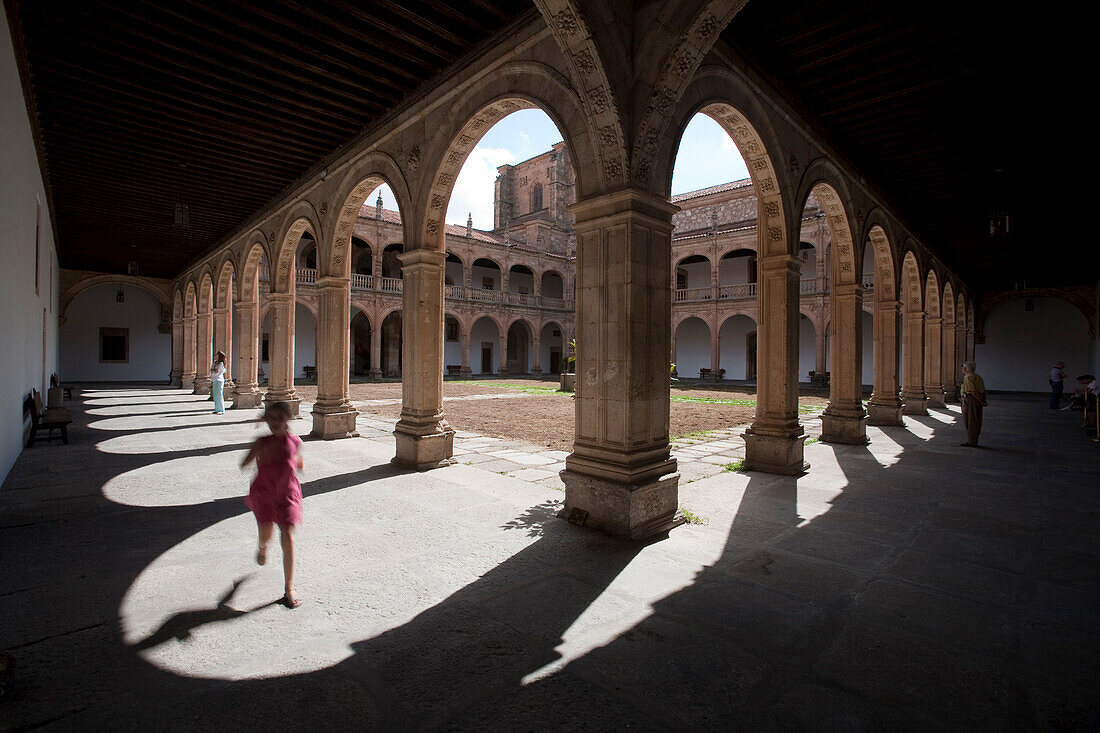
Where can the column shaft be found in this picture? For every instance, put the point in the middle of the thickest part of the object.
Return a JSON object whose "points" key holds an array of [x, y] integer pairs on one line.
{"points": [[187, 376], [947, 364], [884, 407], [912, 375], [844, 419], [933, 361], [247, 393], [333, 414], [204, 351], [177, 353], [464, 340], [376, 351], [280, 383]]}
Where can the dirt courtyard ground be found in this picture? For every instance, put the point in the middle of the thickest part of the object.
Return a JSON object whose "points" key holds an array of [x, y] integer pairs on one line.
{"points": [[534, 411]]}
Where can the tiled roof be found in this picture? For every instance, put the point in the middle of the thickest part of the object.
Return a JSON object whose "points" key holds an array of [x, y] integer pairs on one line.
{"points": [[454, 230], [720, 188]]}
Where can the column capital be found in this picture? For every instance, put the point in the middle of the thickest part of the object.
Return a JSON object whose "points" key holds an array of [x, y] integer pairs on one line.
{"points": [[770, 263], [244, 304], [281, 297], [631, 201], [332, 281], [221, 311], [189, 319], [422, 257]]}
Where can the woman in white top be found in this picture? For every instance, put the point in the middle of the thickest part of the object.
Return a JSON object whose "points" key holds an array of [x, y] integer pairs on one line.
{"points": [[217, 382]]}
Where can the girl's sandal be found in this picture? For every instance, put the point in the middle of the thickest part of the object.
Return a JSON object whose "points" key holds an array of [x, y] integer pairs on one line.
{"points": [[261, 556], [290, 600]]}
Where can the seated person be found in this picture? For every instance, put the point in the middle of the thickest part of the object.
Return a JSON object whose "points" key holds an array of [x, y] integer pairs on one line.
{"points": [[1077, 399]]}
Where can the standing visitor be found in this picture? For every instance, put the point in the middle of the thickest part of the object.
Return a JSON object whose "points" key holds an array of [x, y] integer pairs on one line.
{"points": [[1057, 376], [217, 383], [275, 496], [974, 400]]}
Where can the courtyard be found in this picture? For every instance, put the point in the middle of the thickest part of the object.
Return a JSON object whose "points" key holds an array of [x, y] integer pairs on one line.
{"points": [[906, 585]]}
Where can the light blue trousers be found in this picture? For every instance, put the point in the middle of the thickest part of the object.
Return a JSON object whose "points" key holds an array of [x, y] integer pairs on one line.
{"points": [[216, 387]]}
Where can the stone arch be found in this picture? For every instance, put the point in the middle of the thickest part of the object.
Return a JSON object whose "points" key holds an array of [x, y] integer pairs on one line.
{"points": [[224, 292], [828, 187], [300, 219], [206, 292], [478, 315], [883, 249], [89, 282], [515, 86], [721, 94], [966, 309], [932, 295], [177, 304], [309, 304], [190, 304], [912, 292], [364, 311], [525, 322], [250, 271], [366, 174], [948, 304]]}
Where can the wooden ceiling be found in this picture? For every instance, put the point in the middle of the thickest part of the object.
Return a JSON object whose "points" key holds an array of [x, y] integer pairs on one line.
{"points": [[216, 106], [145, 105]]}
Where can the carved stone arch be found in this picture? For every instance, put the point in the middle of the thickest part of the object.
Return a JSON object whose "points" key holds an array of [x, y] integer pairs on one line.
{"points": [[912, 288], [366, 174], [385, 312], [704, 317], [190, 300], [448, 313], [695, 34], [947, 301], [310, 305], [960, 309], [829, 187], [725, 316], [301, 218], [90, 282], [225, 286], [878, 231], [364, 311], [1084, 305], [518, 85], [526, 322], [594, 88], [687, 255], [724, 97], [815, 317], [250, 270], [731, 248], [932, 295], [177, 303], [206, 291], [552, 322], [478, 315]]}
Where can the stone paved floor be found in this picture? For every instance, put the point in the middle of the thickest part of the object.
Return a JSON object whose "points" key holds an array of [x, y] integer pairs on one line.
{"points": [[906, 585]]}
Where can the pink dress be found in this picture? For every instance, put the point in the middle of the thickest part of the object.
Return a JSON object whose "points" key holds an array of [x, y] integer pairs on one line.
{"points": [[275, 494]]}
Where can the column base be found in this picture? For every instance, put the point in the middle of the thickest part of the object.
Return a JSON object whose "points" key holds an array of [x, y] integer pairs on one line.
{"points": [[914, 406], [375, 374], [187, 382], [884, 414], [333, 425], [846, 429], [465, 373], [424, 452], [631, 511], [293, 401], [936, 398], [536, 371], [202, 386], [245, 400], [779, 454], [174, 380]]}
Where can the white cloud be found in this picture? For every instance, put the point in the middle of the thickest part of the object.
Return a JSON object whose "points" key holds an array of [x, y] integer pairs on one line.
{"points": [[473, 190]]}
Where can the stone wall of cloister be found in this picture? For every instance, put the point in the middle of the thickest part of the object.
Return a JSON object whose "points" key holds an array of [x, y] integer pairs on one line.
{"points": [[621, 116]]}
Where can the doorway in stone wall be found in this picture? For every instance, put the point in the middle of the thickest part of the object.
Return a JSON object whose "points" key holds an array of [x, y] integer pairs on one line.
{"points": [[486, 357]]}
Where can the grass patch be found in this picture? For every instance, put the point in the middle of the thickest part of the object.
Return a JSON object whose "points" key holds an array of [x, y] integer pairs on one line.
{"points": [[711, 401], [528, 388], [692, 518], [694, 436], [809, 441], [738, 465]]}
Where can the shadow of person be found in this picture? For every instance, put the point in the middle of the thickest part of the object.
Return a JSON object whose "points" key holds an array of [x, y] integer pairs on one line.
{"points": [[180, 625]]}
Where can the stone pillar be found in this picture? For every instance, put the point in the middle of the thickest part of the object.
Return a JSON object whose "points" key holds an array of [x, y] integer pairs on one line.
{"points": [[960, 357], [223, 342], [536, 355], [844, 420], [503, 358], [376, 352], [177, 354], [774, 442], [204, 352], [912, 375], [424, 440], [504, 281], [715, 355], [187, 376], [280, 383], [947, 364], [933, 368], [820, 362], [467, 277], [247, 394], [620, 477], [333, 414], [884, 407], [464, 339]]}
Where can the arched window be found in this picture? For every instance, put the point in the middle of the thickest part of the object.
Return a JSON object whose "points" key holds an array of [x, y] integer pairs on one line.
{"points": [[536, 198]]}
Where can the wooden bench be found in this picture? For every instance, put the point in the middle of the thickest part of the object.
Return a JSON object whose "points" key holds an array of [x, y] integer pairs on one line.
{"points": [[42, 421], [709, 374], [453, 370]]}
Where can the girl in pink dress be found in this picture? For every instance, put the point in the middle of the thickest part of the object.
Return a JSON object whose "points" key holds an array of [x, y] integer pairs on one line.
{"points": [[275, 496]]}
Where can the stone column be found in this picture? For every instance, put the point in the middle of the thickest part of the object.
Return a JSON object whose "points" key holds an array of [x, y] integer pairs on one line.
{"points": [[247, 394], [204, 352], [187, 376], [620, 477], [376, 352], [844, 420], [223, 342], [774, 442], [333, 414], [912, 375], [820, 362], [177, 354], [424, 440], [464, 339], [960, 357], [536, 355], [933, 369], [280, 383], [947, 364], [715, 355], [884, 407], [503, 358]]}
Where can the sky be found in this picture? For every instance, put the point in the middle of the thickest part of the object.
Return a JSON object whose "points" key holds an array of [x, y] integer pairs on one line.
{"points": [[707, 157]]}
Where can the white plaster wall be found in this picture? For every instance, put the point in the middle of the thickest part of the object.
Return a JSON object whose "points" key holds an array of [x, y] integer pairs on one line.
{"points": [[478, 273], [454, 271], [733, 271], [484, 330], [95, 308], [305, 340], [698, 275], [806, 348], [521, 280], [732, 345], [22, 362], [1020, 346], [692, 348]]}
